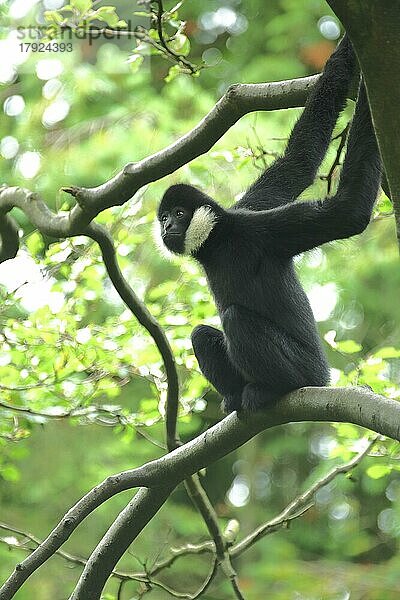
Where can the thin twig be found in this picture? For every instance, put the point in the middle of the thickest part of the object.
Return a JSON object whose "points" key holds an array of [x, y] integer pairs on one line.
{"points": [[343, 137], [178, 57], [301, 503]]}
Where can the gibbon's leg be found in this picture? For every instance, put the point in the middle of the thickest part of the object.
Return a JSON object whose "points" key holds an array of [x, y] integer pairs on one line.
{"points": [[257, 397], [210, 350], [272, 361]]}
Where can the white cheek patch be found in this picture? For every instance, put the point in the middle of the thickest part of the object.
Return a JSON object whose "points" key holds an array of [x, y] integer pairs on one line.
{"points": [[199, 229]]}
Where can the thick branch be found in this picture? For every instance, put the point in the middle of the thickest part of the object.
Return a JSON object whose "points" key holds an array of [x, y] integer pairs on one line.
{"points": [[355, 405], [9, 238], [129, 523], [238, 101], [293, 510]]}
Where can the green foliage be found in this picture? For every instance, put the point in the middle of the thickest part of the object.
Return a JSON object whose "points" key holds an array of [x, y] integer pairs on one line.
{"points": [[81, 13]]}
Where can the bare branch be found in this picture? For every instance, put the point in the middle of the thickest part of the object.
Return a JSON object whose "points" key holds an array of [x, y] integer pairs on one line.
{"points": [[207, 582], [9, 238], [127, 526], [145, 318], [76, 560], [186, 550], [145, 578], [239, 100], [206, 509], [294, 510]]}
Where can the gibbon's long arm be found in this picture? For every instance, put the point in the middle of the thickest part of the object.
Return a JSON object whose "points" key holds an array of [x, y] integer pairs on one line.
{"points": [[296, 227], [293, 172]]}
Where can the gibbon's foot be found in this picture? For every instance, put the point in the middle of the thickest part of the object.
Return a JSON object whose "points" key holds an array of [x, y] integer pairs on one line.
{"points": [[255, 397], [231, 403]]}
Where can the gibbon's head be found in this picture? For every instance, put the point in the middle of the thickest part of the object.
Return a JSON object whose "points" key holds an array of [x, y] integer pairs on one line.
{"points": [[186, 217]]}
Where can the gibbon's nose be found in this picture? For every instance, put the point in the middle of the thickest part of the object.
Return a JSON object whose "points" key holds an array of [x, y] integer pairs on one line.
{"points": [[168, 225]]}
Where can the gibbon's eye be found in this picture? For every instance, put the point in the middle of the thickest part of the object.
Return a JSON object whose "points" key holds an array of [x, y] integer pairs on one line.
{"points": [[179, 213], [164, 218]]}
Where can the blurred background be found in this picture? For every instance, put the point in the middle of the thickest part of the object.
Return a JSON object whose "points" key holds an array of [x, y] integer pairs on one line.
{"points": [[67, 342]]}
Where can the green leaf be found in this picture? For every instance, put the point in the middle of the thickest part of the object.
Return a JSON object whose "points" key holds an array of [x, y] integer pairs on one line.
{"points": [[135, 61], [109, 15], [180, 44], [378, 471], [153, 33], [82, 5], [10, 473], [173, 73], [35, 243], [388, 352], [141, 13], [348, 431], [52, 16], [349, 346]]}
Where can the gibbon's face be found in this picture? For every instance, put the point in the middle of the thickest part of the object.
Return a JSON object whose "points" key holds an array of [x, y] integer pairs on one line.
{"points": [[185, 223], [174, 223]]}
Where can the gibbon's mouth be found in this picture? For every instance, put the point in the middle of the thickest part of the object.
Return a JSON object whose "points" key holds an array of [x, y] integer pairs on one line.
{"points": [[169, 234], [174, 241]]}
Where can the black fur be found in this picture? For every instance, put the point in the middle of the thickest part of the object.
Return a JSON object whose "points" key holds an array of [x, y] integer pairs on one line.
{"points": [[269, 344]]}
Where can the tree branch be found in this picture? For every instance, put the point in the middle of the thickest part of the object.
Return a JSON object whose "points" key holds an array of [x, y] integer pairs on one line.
{"points": [[9, 237], [192, 484], [179, 58], [232, 431], [336, 163], [206, 509], [145, 318], [355, 405], [237, 101], [129, 523], [294, 510], [146, 578]]}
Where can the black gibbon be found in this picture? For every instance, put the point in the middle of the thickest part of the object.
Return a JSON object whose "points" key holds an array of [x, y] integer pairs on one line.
{"points": [[269, 343]]}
